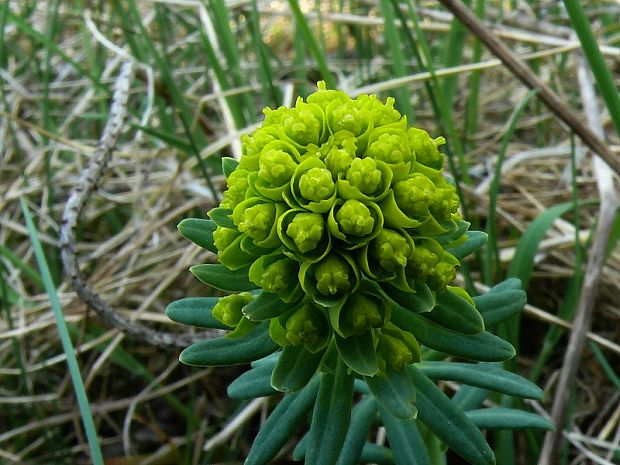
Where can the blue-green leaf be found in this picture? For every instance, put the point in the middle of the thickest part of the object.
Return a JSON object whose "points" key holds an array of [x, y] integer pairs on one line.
{"points": [[449, 423], [199, 231], [282, 424], [331, 417], [221, 351], [266, 306], [374, 453], [507, 418], [407, 443], [195, 311], [295, 367], [475, 240], [470, 397], [396, 393], [362, 417], [252, 384], [358, 352], [500, 305], [484, 375], [220, 277], [420, 301], [484, 346], [456, 313]]}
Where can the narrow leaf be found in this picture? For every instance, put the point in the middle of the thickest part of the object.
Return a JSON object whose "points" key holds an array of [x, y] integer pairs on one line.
{"points": [[408, 445], [507, 418], [252, 384], [199, 231], [499, 306], [483, 347], [420, 301], [281, 424], [195, 311], [225, 351], [374, 453], [475, 240], [358, 352], [362, 417], [331, 417], [222, 217], [266, 306], [456, 313], [449, 423], [220, 277], [295, 367], [396, 393], [522, 264], [484, 375]]}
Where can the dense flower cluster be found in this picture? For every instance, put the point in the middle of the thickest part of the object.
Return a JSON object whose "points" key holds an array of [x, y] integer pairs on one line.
{"points": [[335, 205]]}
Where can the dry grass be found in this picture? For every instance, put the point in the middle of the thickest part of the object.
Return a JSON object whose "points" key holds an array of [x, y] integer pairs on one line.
{"points": [[148, 408]]}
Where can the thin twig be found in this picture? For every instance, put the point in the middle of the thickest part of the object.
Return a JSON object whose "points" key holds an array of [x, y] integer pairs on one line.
{"points": [[607, 213], [529, 78], [73, 208]]}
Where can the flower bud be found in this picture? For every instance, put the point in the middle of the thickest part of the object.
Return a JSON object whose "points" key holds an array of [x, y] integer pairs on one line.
{"points": [[333, 276], [354, 218], [223, 237], [364, 174], [308, 326], [413, 195], [280, 277], [237, 184], [391, 147], [306, 230], [444, 202], [391, 249], [398, 348], [304, 123], [316, 184], [443, 274], [425, 148], [323, 97], [228, 309], [422, 263], [257, 220], [339, 152], [276, 167], [361, 312]]}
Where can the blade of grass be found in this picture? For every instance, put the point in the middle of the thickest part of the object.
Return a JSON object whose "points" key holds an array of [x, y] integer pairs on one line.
{"points": [[492, 251], [571, 298], [453, 47], [271, 94], [603, 76], [74, 369], [392, 36], [312, 44], [228, 42], [132, 19], [471, 110]]}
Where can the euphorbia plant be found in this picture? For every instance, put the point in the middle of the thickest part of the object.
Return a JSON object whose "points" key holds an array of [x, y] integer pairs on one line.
{"points": [[338, 239]]}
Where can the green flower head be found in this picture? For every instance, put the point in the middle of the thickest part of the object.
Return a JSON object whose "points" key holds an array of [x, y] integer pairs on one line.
{"points": [[338, 209]]}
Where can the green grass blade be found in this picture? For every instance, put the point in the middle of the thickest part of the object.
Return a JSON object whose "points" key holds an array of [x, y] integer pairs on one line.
{"points": [[602, 74], [312, 44], [392, 36], [74, 369], [492, 251]]}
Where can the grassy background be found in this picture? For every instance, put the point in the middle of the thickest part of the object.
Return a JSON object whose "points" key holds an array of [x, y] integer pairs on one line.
{"points": [[205, 71]]}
